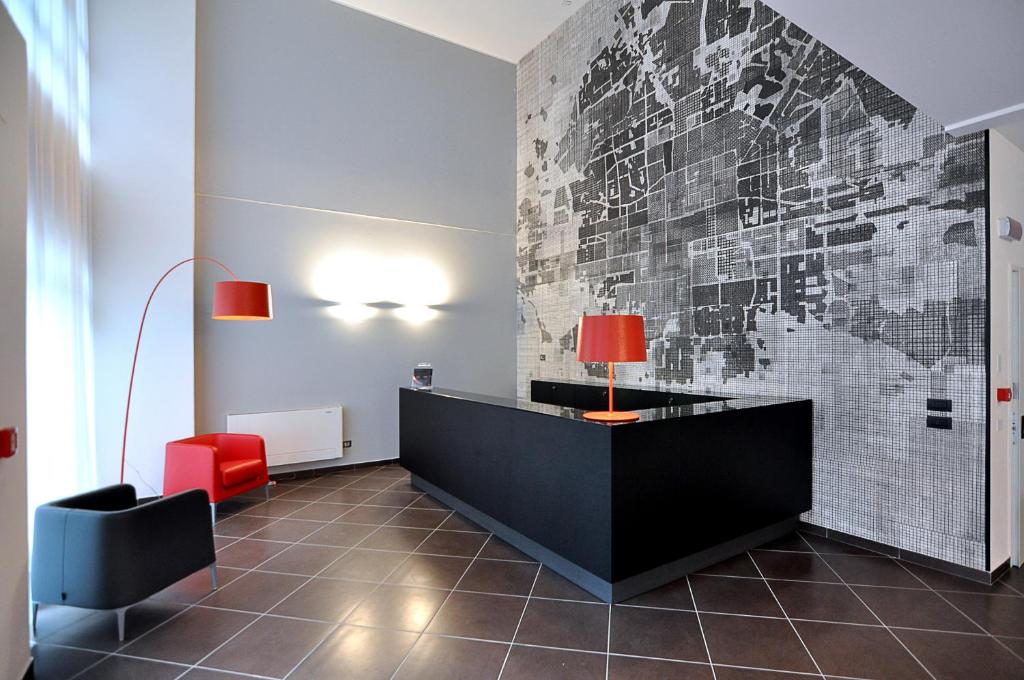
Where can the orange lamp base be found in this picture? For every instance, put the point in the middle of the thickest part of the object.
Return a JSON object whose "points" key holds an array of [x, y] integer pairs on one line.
{"points": [[612, 416]]}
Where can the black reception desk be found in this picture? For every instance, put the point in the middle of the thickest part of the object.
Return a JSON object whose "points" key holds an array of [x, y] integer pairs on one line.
{"points": [[617, 509]]}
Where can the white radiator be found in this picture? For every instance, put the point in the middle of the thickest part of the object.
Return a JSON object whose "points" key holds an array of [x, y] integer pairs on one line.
{"points": [[294, 436]]}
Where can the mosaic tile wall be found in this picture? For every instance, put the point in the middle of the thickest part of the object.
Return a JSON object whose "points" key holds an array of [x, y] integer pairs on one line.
{"points": [[787, 226]]}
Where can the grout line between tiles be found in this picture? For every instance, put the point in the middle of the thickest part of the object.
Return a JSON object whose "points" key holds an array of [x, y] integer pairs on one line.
{"points": [[522, 616], [872, 611], [700, 625]]}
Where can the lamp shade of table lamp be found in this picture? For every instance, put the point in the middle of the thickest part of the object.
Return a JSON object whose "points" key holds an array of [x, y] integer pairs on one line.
{"points": [[611, 338]]}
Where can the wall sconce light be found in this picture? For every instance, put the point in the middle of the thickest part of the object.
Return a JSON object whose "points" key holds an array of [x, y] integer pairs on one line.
{"points": [[361, 284]]}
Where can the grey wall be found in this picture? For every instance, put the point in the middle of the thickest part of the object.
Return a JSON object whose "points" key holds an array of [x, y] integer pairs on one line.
{"points": [[142, 96], [311, 116], [315, 104], [14, 654]]}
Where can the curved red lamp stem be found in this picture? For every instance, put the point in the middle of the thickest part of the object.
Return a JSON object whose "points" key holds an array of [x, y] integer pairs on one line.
{"points": [[138, 341]]}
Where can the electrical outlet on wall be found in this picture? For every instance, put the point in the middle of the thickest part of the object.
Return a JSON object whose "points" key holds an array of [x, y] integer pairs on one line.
{"points": [[347, 444]]}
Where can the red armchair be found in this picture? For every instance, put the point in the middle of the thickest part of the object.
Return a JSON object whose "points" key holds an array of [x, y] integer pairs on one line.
{"points": [[225, 465]]}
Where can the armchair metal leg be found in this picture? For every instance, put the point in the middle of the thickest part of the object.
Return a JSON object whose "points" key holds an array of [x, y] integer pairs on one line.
{"points": [[120, 623], [213, 576], [213, 514], [35, 617], [266, 491]]}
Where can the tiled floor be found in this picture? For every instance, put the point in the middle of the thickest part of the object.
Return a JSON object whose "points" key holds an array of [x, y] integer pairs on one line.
{"points": [[358, 575]]}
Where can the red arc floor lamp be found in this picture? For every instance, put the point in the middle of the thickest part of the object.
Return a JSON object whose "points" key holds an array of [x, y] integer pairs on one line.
{"points": [[611, 338], [233, 300]]}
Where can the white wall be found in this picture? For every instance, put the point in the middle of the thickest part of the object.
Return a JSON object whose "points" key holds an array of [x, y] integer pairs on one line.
{"points": [[311, 117], [14, 653], [142, 75], [1006, 196]]}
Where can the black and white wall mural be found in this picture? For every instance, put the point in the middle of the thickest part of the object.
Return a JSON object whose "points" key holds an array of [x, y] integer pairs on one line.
{"points": [[787, 226]]}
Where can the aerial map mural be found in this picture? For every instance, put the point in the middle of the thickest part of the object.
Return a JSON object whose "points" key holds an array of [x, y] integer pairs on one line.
{"points": [[787, 226]]}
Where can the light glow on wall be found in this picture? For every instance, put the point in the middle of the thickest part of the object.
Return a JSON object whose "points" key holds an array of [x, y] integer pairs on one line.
{"points": [[363, 284]]}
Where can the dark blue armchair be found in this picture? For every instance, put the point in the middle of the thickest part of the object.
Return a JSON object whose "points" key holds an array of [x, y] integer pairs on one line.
{"points": [[102, 550]]}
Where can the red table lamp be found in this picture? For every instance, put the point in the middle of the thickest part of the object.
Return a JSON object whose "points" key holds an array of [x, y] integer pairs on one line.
{"points": [[232, 301], [611, 338]]}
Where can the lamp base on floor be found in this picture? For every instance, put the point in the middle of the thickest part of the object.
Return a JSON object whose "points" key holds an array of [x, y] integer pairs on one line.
{"points": [[612, 416]]}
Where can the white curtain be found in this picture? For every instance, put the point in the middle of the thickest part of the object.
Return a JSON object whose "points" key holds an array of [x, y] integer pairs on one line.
{"points": [[61, 442]]}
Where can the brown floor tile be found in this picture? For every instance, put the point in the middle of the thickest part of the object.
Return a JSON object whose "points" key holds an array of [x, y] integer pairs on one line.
{"points": [[475, 615], [740, 565], [793, 542], [419, 519], [498, 549], [438, 658], [275, 508], [354, 653], [256, 591], [290, 530], [503, 578], [430, 571], [793, 566], [998, 614], [332, 481], [731, 641], [551, 585], [270, 646], [393, 498], [947, 582], [99, 632], [455, 543], [393, 470], [307, 493], [395, 538], [240, 526], [125, 668], [398, 607], [369, 514], [1016, 645], [325, 599], [914, 609], [675, 595], [58, 663], [191, 636], [365, 565], [207, 674], [195, 587], [372, 483], [872, 571], [307, 560], [733, 596], [459, 523], [222, 542], [429, 503], [858, 651], [821, 602], [825, 546], [730, 673], [349, 496], [339, 534], [657, 632], [247, 553], [570, 625], [404, 485], [1014, 578], [535, 663], [322, 512], [627, 668], [953, 656]]}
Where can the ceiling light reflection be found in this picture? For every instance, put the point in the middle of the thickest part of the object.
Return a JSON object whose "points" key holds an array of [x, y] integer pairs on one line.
{"points": [[416, 314]]}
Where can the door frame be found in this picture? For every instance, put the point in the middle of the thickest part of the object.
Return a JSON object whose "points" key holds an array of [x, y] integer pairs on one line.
{"points": [[1014, 429]]}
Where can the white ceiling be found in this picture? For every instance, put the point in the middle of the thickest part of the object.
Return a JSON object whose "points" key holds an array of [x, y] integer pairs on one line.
{"points": [[959, 61], [506, 29]]}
